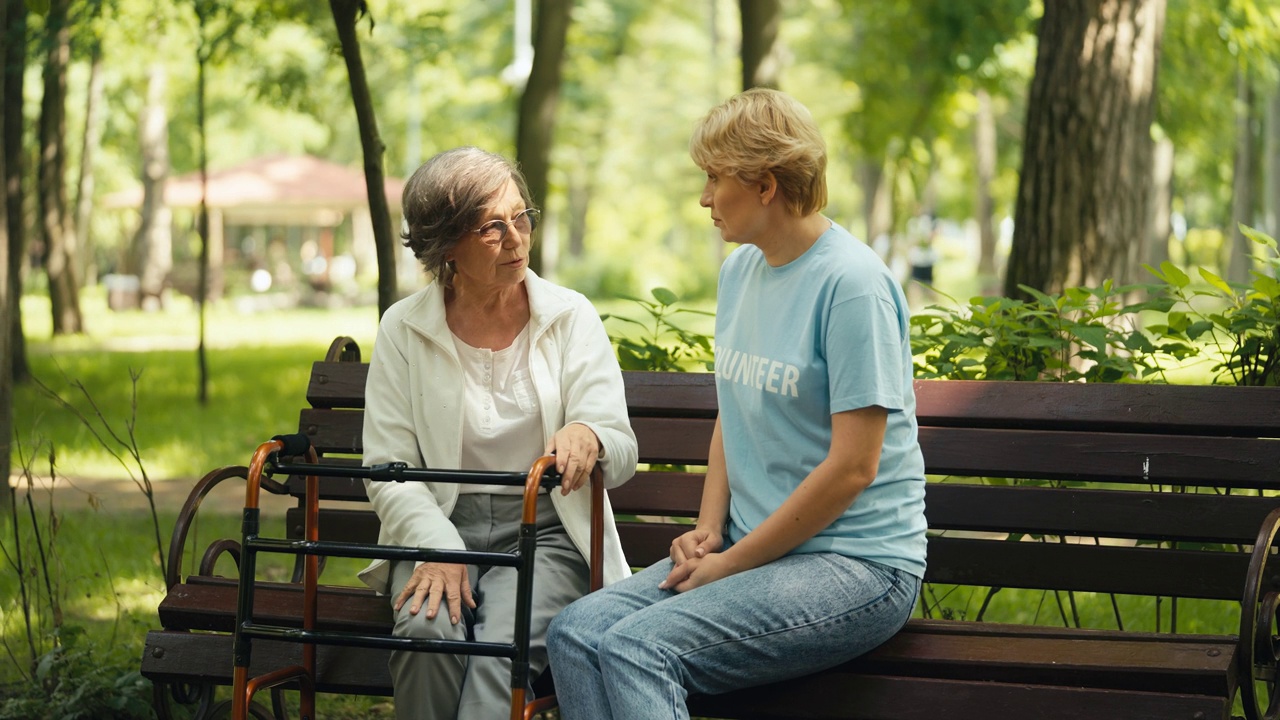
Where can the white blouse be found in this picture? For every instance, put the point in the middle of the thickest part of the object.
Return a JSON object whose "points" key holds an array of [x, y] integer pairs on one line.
{"points": [[502, 422]]}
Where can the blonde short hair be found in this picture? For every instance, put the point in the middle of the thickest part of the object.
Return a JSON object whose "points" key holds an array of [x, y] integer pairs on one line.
{"points": [[766, 131]]}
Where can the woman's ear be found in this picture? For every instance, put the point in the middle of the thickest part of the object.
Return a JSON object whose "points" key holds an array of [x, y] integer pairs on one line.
{"points": [[767, 187]]}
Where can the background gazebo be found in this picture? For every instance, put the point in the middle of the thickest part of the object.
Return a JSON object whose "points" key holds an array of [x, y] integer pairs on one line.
{"points": [[299, 217]]}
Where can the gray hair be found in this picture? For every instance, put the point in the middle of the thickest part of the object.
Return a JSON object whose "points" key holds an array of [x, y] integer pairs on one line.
{"points": [[444, 200]]}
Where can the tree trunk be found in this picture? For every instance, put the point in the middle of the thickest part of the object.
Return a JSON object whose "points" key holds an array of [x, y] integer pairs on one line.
{"points": [[581, 189], [153, 242], [1086, 164], [985, 153], [6, 308], [88, 150], [345, 15], [1157, 250], [1240, 260], [15, 60], [202, 286], [760, 63], [537, 114], [59, 254], [877, 205], [1271, 183]]}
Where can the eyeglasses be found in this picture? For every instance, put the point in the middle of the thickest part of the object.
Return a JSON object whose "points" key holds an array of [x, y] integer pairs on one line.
{"points": [[494, 232]]}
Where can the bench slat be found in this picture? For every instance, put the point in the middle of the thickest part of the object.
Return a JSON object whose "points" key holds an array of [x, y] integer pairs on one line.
{"points": [[1102, 659], [189, 606], [1035, 565], [1102, 457], [673, 440], [333, 431], [1194, 517], [1123, 570], [331, 488], [1027, 454], [173, 656], [1165, 409], [658, 493], [661, 394], [845, 696], [1141, 515], [337, 524], [337, 384]]}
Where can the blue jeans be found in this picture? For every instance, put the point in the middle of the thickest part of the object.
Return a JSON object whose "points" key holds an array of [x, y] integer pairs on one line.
{"points": [[633, 652]]}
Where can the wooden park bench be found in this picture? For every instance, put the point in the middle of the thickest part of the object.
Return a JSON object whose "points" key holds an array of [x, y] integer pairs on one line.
{"points": [[1078, 490]]}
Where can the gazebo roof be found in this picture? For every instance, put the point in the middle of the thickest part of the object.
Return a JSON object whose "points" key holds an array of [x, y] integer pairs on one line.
{"points": [[271, 185]]}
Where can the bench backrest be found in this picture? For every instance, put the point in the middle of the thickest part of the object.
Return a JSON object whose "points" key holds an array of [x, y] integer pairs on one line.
{"points": [[1176, 477]]}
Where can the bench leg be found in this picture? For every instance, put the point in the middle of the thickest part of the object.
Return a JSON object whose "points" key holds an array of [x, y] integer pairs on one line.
{"points": [[222, 711], [207, 707], [183, 694]]}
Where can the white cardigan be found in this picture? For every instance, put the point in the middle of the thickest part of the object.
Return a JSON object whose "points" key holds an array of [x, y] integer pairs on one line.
{"points": [[413, 414]]}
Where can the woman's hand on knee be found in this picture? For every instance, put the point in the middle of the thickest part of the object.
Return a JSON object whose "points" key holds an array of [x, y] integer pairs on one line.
{"points": [[432, 582]]}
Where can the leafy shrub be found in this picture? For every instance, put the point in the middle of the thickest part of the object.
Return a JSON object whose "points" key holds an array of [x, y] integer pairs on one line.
{"points": [[1089, 334], [71, 682], [661, 343], [1072, 336], [1239, 322]]}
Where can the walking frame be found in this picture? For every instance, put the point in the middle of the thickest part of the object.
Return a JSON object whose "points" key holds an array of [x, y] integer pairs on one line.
{"points": [[268, 459]]}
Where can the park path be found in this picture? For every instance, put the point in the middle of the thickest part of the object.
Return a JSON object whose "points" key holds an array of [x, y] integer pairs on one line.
{"points": [[121, 496]]}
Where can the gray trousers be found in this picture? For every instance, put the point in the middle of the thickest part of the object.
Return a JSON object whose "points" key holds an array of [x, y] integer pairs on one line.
{"points": [[435, 686]]}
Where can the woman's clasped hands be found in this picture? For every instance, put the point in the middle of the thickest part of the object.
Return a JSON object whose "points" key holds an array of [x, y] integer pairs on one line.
{"points": [[697, 561]]}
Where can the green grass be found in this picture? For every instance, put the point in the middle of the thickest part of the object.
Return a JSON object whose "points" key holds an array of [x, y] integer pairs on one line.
{"points": [[258, 365], [105, 572]]}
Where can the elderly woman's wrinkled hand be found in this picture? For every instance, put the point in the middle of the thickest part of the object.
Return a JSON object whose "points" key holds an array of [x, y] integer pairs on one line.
{"points": [[435, 581], [576, 449]]}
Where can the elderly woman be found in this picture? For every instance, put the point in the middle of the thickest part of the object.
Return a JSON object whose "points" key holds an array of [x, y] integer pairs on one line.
{"points": [[810, 541], [487, 368]]}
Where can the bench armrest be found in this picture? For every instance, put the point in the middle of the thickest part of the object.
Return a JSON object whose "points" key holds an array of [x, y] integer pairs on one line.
{"points": [[1258, 651], [187, 515]]}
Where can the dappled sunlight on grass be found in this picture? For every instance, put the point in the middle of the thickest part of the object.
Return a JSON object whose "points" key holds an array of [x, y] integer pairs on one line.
{"points": [[253, 394], [258, 365], [132, 596], [177, 326], [1095, 610]]}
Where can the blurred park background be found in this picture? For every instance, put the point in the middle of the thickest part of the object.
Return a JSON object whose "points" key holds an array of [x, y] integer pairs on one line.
{"points": [[201, 194]]}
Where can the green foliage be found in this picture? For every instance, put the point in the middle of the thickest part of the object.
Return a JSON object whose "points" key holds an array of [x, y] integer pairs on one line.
{"points": [[911, 56], [73, 682], [1240, 323], [1082, 334], [1088, 334], [1067, 337], [662, 344]]}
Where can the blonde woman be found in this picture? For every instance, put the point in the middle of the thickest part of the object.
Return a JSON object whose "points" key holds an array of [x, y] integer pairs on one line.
{"points": [[810, 543]]}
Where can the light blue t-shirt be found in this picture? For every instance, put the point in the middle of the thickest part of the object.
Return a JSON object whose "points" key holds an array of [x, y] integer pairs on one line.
{"points": [[825, 333]]}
